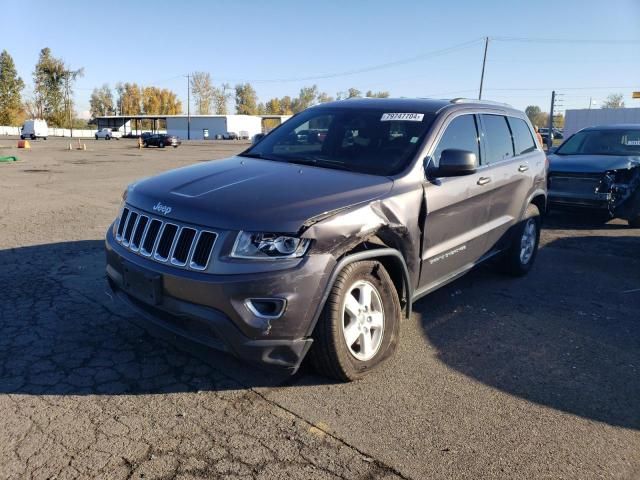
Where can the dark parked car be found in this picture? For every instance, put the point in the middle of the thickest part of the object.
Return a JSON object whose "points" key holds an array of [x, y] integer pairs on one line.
{"points": [[321, 247], [544, 132], [161, 140], [599, 168]]}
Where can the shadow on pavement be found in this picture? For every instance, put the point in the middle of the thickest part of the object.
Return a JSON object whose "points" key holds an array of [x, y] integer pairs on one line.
{"points": [[567, 336], [61, 334]]}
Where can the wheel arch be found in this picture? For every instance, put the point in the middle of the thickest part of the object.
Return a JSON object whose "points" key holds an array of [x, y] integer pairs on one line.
{"points": [[393, 262], [539, 199]]}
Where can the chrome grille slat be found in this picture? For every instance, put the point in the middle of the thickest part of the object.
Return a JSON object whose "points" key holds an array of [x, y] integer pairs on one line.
{"points": [[128, 232], [143, 221], [144, 235]]}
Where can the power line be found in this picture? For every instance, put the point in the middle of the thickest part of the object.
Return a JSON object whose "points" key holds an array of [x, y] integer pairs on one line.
{"points": [[423, 56], [565, 40]]}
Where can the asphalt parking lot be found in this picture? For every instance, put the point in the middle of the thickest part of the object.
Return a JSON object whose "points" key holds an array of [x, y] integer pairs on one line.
{"points": [[495, 377]]}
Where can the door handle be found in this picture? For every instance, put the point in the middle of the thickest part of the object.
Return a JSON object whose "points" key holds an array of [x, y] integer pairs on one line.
{"points": [[484, 180], [523, 168]]}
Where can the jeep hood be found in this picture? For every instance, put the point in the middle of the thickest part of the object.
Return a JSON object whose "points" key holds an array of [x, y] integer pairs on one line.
{"points": [[243, 193], [591, 163]]}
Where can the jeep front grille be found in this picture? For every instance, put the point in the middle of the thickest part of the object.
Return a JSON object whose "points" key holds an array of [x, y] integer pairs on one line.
{"points": [[165, 241]]}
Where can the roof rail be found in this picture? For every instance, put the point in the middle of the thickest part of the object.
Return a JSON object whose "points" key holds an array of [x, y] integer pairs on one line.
{"points": [[475, 100]]}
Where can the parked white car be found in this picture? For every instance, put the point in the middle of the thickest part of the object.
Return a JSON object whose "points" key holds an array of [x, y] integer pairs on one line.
{"points": [[108, 134], [33, 129]]}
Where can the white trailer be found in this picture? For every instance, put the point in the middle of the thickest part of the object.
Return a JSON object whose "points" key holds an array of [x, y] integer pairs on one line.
{"points": [[581, 118]]}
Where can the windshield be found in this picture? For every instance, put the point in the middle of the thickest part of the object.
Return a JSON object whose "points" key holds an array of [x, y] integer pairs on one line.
{"points": [[363, 140], [602, 142]]}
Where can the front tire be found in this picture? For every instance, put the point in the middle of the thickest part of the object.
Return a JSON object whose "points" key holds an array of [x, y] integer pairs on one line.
{"points": [[359, 325], [161, 145], [519, 257]]}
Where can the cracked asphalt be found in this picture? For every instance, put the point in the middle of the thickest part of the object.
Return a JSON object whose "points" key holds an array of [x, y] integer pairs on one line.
{"points": [[495, 377]]}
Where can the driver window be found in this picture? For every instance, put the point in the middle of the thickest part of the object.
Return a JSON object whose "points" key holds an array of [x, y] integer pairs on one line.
{"points": [[461, 134]]}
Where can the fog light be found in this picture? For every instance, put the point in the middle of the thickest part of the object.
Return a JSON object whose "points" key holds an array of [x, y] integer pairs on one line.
{"points": [[270, 308]]}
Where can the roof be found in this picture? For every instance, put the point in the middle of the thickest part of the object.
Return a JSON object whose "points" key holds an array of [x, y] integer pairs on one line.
{"points": [[614, 126], [152, 116], [420, 105]]}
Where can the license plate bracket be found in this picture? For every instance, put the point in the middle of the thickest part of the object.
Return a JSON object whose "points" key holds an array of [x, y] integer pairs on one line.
{"points": [[141, 284]]}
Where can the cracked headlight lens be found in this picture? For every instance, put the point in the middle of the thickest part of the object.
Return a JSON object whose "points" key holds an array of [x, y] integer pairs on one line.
{"points": [[268, 246]]}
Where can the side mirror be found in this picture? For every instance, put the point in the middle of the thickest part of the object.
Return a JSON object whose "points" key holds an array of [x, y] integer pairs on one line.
{"points": [[455, 163]]}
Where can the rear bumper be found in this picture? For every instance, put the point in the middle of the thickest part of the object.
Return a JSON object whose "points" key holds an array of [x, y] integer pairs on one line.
{"points": [[209, 309]]}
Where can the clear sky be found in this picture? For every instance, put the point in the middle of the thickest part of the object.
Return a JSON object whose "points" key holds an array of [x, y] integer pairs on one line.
{"points": [[277, 45]]}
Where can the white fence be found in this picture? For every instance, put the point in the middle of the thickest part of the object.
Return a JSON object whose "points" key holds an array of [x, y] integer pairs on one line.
{"points": [[53, 132]]}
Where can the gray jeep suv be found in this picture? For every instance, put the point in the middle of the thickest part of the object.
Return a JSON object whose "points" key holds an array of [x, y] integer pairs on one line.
{"points": [[320, 243]]}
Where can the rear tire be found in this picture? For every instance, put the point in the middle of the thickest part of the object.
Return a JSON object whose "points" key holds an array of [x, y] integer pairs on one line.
{"points": [[21, 137], [518, 259], [33, 137], [161, 145], [357, 330]]}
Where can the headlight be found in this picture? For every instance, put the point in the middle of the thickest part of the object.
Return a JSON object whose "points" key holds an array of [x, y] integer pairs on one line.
{"points": [[268, 246]]}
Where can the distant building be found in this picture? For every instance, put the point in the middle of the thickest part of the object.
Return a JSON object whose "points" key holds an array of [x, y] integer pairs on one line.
{"points": [[575, 120], [194, 129]]}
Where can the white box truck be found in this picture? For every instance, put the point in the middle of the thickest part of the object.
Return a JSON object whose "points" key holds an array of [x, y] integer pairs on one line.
{"points": [[34, 129]]}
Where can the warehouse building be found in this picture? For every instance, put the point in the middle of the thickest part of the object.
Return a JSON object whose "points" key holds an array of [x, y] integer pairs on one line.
{"points": [[195, 127], [581, 118]]}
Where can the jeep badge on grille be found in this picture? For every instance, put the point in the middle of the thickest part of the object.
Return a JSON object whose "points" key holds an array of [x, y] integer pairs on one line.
{"points": [[163, 209]]}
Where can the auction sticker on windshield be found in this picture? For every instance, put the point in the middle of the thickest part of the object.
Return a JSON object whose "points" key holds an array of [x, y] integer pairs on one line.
{"points": [[402, 117]]}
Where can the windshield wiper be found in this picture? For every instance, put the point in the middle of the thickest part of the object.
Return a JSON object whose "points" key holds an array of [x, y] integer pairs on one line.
{"points": [[320, 162]]}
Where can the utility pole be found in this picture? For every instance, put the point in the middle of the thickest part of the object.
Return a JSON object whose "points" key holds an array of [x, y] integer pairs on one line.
{"points": [[188, 106], [484, 62], [550, 132]]}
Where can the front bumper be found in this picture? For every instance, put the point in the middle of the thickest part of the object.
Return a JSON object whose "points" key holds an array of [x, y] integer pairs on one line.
{"points": [[588, 200], [210, 309]]}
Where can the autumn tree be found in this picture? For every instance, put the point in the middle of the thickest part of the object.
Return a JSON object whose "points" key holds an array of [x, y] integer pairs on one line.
{"points": [[156, 101], [101, 102], [11, 111], [615, 100], [246, 99], [129, 98]]}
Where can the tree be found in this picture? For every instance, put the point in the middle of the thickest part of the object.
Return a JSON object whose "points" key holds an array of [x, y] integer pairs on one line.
{"points": [[129, 98], [615, 100], [101, 102], [246, 99], [350, 93], [306, 98], [48, 89], [273, 107], [203, 92], [68, 79], [381, 94], [156, 101], [323, 97], [221, 96], [532, 112], [11, 111]]}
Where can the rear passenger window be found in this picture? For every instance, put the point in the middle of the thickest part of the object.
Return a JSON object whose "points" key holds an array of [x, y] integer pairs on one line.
{"points": [[461, 134], [522, 137], [497, 138]]}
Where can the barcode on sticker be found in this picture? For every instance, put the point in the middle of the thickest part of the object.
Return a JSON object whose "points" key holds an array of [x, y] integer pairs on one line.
{"points": [[633, 142], [402, 117]]}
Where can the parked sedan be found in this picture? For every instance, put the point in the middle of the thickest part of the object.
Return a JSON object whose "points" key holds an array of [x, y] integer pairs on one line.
{"points": [[161, 140], [599, 168]]}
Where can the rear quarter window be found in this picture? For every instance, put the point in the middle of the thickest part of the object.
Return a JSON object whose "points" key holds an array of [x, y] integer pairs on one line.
{"points": [[497, 138], [522, 136]]}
